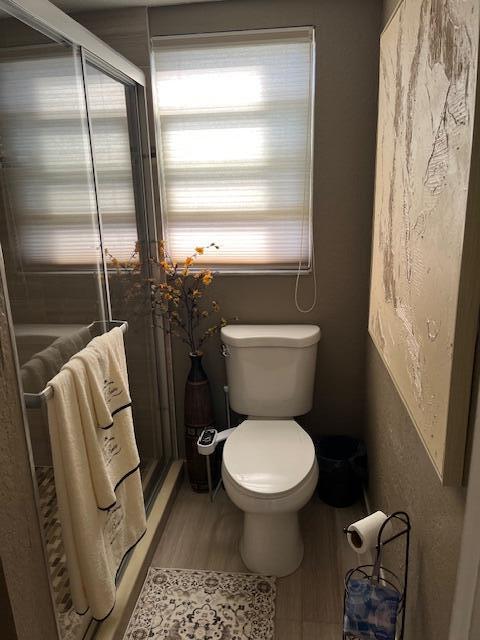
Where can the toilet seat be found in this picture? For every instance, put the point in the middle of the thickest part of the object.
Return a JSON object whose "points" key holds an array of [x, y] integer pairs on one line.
{"points": [[269, 458]]}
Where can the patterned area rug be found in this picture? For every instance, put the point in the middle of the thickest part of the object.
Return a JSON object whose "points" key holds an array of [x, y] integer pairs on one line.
{"points": [[182, 604]]}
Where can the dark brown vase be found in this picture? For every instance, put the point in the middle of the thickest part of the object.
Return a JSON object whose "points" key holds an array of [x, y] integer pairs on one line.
{"points": [[198, 416]]}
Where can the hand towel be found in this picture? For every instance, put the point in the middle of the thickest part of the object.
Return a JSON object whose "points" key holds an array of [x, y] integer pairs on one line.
{"points": [[33, 376], [95, 541], [51, 360], [43, 366], [67, 346], [106, 408]]}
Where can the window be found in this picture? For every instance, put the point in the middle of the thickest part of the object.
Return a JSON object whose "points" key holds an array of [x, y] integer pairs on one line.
{"points": [[235, 119]]}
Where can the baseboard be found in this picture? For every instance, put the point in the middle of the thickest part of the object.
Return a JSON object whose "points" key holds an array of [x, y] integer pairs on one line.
{"points": [[113, 628]]}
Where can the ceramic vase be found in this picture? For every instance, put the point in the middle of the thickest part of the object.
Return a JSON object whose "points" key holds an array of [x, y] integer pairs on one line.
{"points": [[198, 416]]}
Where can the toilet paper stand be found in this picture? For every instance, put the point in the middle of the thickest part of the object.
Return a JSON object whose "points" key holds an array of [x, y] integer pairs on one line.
{"points": [[376, 572]]}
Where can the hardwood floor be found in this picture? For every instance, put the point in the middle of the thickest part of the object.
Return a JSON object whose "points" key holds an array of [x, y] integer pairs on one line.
{"points": [[202, 535]]}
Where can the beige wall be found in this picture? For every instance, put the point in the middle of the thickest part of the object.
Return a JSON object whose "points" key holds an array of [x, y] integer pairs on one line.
{"points": [[345, 119], [402, 477]]}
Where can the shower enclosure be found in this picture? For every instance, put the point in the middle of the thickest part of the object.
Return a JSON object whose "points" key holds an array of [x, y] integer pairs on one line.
{"points": [[72, 193]]}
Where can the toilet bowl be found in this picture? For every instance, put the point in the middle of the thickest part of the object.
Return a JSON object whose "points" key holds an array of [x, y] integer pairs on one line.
{"points": [[269, 468], [270, 472]]}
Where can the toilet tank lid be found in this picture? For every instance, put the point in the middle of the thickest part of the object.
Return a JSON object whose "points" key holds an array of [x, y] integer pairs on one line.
{"points": [[270, 335]]}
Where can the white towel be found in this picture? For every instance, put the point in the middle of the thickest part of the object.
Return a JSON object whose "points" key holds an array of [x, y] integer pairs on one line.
{"points": [[108, 406], [95, 541]]}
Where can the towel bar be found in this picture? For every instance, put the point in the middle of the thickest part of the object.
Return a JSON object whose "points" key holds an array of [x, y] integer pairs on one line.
{"points": [[35, 400]]}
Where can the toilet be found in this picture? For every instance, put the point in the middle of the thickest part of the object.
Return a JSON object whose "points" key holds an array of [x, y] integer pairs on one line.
{"points": [[269, 468]]}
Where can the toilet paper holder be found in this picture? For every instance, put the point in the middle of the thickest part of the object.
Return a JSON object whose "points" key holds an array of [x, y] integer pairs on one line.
{"points": [[376, 572]]}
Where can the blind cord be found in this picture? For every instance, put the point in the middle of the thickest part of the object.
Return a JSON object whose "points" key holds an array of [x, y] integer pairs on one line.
{"points": [[299, 308], [297, 281]]}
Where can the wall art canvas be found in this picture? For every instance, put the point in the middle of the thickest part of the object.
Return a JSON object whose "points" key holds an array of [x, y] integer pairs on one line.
{"points": [[425, 268]]}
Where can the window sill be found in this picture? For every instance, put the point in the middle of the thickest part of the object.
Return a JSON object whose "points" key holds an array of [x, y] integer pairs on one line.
{"points": [[260, 272]]}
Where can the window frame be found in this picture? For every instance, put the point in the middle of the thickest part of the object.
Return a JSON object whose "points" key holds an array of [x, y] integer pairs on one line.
{"points": [[229, 269]]}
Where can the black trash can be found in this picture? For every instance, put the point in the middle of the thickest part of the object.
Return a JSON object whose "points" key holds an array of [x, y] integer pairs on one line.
{"points": [[342, 463]]}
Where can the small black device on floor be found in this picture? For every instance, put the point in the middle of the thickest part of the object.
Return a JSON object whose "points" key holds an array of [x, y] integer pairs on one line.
{"points": [[207, 437]]}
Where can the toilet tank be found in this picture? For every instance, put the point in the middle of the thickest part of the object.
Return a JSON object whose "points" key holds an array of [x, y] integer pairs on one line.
{"points": [[271, 368]]}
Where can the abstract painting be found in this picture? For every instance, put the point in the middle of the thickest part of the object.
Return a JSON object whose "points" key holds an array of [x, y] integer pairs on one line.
{"points": [[424, 279]]}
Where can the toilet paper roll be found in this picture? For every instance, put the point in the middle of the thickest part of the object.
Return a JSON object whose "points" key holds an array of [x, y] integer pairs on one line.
{"points": [[363, 534]]}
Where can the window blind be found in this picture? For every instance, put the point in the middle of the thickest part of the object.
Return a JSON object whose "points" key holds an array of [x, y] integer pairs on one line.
{"points": [[235, 120], [47, 163]]}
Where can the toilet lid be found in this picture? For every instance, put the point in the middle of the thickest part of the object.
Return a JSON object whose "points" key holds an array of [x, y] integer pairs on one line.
{"points": [[268, 456]]}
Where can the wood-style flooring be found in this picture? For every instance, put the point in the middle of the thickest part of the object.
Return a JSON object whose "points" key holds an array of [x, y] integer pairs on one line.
{"points": [[204, 535]]}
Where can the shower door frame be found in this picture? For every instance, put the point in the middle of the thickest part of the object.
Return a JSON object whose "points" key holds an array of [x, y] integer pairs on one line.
{"points": [[44, 17]]}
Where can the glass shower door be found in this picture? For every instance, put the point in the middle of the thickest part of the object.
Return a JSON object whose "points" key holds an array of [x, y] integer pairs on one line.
{"points": [[118, 173], [50, 239]]}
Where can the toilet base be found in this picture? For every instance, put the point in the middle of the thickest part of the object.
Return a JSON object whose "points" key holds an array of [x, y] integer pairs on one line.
{"points": [[271, 543]]}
